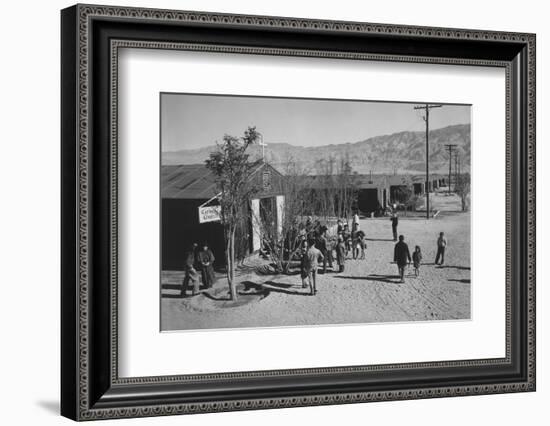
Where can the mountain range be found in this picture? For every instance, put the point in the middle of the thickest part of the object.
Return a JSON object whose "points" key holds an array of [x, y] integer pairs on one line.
{"points": [[402, 152]]}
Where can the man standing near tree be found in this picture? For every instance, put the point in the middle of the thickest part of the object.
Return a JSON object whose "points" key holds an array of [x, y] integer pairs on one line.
{"points": [[191, 274], [207, 259]]}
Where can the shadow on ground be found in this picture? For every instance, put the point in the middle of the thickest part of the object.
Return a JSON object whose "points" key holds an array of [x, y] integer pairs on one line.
{"points": [[247, 292], [272, 286], [171, 286], [460, 268], [390, 279], [268, 269], [222, 299]]}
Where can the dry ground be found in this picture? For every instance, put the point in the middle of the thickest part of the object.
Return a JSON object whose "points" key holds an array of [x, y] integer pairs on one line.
{"points": [[367, 291]]}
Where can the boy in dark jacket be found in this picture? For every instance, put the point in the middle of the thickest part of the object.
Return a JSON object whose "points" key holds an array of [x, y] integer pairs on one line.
{"points": [[401, 256]]}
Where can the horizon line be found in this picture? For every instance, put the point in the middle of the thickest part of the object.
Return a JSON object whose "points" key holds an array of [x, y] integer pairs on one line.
{"points": [[341, 143]]}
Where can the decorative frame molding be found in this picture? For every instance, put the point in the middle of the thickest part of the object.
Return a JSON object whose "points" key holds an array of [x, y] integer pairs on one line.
{"points": [[91, 388]]}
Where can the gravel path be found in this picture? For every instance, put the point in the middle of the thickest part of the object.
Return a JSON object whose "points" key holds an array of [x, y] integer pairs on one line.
{"points": [[367, 291]]}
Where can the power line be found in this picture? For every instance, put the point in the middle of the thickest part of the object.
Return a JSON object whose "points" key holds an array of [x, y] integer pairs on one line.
{"points": [[426, 117]]}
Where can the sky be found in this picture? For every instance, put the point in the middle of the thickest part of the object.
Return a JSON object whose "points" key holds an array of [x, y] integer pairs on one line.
{"points": [[191, 121]]}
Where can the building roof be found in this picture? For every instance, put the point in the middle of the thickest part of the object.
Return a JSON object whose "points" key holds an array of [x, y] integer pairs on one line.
{"points": [[193, 181], [422, 178], [187, 181], [357, 180], [370, 181], [398, 180]]}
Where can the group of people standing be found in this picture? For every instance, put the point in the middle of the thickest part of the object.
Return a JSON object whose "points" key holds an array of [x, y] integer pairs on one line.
{"points": [[199, 266], [354, 241], [319, 247]]}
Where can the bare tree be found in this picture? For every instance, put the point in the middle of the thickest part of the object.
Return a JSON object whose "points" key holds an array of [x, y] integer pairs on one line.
{"points": [[232, 167], [330, 194], [462, 189], [346, 188], [396, 164], [405, 195], [281, 236]]}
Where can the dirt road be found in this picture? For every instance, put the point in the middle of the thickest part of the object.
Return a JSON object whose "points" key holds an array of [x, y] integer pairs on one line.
{"points": [[367, 291]]}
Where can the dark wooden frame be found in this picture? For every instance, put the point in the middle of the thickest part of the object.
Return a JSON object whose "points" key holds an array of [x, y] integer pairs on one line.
{"points": [[90, 386]]}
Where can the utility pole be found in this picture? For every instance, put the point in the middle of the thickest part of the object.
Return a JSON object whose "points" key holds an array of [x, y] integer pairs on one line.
{"points": [[456, 170], [450, 147], [426, 117], [459, 177]]}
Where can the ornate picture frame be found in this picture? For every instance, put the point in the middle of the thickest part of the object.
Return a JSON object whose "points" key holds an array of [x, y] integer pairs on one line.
{"points": [[91, 37]]}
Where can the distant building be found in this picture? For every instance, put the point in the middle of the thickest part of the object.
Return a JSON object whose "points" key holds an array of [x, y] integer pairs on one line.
{"points": [[419, 184], [399, 185], [373, 193], [190, 190], [436, 181]]}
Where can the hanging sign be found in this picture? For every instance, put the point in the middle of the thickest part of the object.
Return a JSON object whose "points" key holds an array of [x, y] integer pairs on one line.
{"points": [[209, 214]]}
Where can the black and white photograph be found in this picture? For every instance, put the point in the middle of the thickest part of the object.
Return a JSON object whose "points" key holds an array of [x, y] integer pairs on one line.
{"points": [[280, 212]]}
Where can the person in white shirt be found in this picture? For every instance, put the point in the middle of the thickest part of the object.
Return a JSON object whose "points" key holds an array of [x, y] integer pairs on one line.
{"points": [[355, 220], [312, 258]]}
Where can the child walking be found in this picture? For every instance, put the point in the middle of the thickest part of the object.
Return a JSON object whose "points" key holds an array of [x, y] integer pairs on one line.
{"points": [[417, 258], [362, 243]]}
